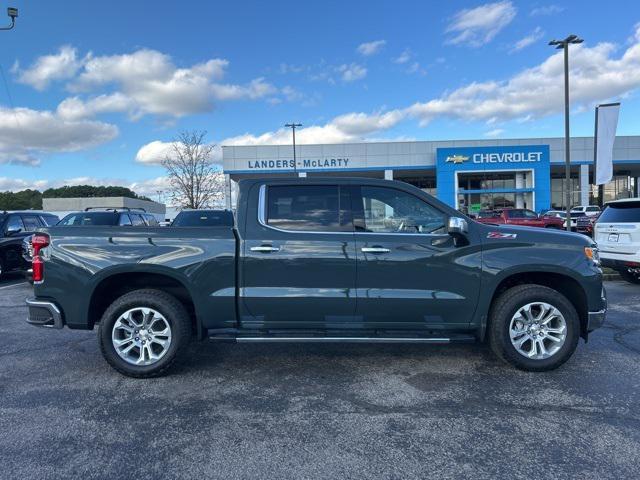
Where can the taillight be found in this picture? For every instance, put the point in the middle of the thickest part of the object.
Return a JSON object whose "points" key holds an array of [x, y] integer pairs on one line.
{"points": [[38, 242], [37, 267]]}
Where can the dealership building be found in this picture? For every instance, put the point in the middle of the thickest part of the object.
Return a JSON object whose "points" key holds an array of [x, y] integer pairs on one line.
{"points": [[467, 174]]}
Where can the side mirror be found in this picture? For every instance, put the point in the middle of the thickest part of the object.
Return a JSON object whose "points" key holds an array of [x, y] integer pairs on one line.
{"points": [[457, 226]]}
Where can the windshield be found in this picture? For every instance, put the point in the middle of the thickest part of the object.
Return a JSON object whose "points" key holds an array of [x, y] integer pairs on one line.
{"points": [[204, 218], [626, 212], [90, 218]]}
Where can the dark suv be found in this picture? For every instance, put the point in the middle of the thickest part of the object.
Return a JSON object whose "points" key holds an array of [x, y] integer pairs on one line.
{"points": [[110, 217], [14, 226]]}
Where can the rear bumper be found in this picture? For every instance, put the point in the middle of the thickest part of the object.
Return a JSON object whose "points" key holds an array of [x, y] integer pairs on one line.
{"points": [[617, 264], [43, 313]]}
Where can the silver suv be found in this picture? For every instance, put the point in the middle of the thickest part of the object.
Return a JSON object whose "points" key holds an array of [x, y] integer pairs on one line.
{"points": [[617, 233]]}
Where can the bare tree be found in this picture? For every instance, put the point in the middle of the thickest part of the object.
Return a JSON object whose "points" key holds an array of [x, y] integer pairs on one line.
{"points": [[194, 181]]}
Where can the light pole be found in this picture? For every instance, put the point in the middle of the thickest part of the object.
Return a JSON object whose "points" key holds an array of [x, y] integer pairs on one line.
{"points": [[564, 45], [13, 13], [159, 192], [293, 127]]}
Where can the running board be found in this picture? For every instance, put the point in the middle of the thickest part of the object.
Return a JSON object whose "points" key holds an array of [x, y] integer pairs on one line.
{"points": [[342, 340]]}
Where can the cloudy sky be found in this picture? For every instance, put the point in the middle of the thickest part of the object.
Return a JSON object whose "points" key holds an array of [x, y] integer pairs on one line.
{"points": [[92, 92]]}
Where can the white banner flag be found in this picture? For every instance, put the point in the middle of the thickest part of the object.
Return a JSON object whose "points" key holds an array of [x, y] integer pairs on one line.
{"points": [[606, 124]]}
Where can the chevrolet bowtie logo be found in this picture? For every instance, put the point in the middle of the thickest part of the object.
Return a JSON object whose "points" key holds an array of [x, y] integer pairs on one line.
{"points": [[457, 159]]}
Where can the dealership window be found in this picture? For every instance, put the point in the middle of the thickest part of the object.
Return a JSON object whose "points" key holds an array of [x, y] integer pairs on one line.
{"points": [[426, 184], [621, 186], [388, 210], [558, 189]]}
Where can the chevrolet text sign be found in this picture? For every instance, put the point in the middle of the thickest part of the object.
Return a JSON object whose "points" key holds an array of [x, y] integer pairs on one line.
{"points": [[507, 157]]}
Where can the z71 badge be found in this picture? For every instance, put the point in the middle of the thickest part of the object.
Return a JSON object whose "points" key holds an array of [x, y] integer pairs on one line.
{"points": [[506, 236]]}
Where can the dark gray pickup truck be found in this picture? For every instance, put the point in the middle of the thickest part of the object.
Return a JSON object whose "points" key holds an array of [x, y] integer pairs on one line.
{"points": [[321, 260]]}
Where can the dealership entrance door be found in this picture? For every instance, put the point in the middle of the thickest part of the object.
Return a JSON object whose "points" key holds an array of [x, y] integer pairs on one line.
{"points": [[492, 190]]}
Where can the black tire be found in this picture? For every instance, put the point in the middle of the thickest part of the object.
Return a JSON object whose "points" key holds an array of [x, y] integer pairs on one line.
{"points": [[164, 303], [2, 266], [630, 277], [506, 306]]}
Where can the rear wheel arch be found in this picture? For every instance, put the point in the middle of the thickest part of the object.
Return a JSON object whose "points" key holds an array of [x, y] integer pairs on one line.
{"points": [[111, 287]]}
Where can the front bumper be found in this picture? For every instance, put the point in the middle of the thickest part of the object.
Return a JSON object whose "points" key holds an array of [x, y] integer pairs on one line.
{"points": [[43, 313], [596, 319]]}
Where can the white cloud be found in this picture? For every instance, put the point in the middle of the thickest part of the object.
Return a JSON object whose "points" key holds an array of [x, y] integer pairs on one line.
{"points": [[546, 10], [404, 57], [257, 88], [596, 75], [145, 81], [48, 68], [73, 108], [475, 27], [25, 134], [153, 153], [351, 127], [530, 39], [352, 72], [496, 132], [370, 48]]}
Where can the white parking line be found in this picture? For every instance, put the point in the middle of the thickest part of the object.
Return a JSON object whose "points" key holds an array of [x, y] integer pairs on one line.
{"points": [[12, 285]]}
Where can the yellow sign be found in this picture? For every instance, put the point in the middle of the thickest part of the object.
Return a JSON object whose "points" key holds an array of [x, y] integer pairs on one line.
{"points": [[457, 159]]}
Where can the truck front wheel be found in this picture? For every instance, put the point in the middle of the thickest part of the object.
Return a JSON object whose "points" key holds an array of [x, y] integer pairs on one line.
{"points": [[533, 327], [143, 332]]}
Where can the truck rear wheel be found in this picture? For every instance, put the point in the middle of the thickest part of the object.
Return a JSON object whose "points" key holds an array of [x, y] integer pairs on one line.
{"points": [[143, 332], [533, 328]]}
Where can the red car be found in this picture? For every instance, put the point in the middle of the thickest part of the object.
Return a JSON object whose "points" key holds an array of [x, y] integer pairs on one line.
{"points": [[520, 216]]}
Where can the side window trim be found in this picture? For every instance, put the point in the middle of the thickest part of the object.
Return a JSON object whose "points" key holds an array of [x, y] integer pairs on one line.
{"points": [[262, 215], [358, 215]]}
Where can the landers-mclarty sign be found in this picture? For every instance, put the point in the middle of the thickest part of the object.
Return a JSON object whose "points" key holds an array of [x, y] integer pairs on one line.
{"points": [[301, 164]]}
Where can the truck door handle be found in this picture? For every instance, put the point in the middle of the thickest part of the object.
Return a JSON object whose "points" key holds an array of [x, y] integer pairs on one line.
{"points": [[375, 250], [265, 249]]}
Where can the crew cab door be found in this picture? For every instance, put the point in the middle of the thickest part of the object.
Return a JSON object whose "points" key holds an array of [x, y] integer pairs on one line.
{"points": [[410, 272], [298, 267]]}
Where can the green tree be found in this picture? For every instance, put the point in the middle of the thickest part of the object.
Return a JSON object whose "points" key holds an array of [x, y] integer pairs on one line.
{"points": [[24, 200]]}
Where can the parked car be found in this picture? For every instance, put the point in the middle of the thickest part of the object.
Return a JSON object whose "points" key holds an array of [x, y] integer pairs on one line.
{"points": [[618, 237], [203, 218], [110, 217], [321, 260], [575, 216], [585, 224], [522, 217], [588, 210], [14, 226]]}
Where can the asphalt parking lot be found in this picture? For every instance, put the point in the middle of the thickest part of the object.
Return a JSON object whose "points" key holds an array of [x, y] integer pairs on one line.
{"points": [[318, 411]]}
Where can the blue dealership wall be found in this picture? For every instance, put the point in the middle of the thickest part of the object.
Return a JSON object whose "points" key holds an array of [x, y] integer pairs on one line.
{"points": [[490, 159]]}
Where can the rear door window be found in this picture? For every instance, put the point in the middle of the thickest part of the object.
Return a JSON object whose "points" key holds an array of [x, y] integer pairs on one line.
{"points": [[308, 208], [151, 220], [14, 223], [31, 222], [623, 212], [136, 220]]}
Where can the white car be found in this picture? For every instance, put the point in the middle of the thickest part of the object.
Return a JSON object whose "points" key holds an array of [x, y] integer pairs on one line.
{"points": [[563, 215], [588, 210], [617, 233]]}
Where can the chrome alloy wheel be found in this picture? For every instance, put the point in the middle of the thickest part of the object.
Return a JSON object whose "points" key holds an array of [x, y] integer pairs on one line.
{"points": [[141, 336], [538, 330]]}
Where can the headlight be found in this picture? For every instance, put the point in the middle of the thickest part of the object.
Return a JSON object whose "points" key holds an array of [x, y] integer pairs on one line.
{"points": [[593, 255]]}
